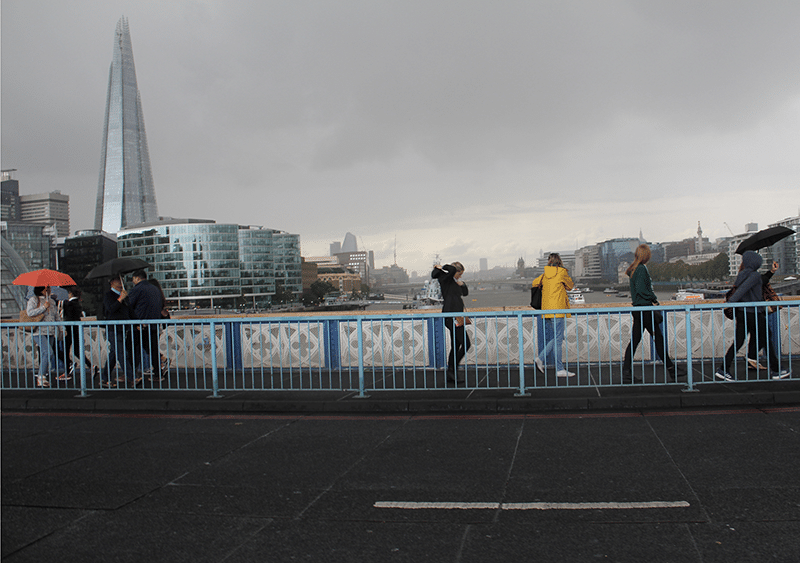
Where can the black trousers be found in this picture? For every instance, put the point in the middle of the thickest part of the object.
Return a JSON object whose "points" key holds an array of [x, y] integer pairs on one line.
{"points": [[72, 340], [748, 322], [459, 344], [645, 320]]}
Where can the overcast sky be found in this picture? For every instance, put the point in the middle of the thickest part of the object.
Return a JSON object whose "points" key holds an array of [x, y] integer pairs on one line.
{"points": [[470, 129]]}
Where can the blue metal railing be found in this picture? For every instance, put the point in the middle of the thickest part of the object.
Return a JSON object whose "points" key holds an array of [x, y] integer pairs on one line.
{"points": [[384, 352]]}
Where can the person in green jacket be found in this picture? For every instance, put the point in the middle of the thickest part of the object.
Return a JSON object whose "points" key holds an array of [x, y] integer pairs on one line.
{"points": [[642, 295]]}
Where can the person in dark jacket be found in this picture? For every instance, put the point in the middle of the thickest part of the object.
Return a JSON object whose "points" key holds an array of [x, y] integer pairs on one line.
{"points": [[453, 289], [146, 302], [773, 320], [749, 320], [115, 308], [73, 311], [642, 295]]}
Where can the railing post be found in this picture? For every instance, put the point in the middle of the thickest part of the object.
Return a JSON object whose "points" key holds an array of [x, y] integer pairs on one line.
{"points": [[360, 331], [81, 359], [214, 370], [233, 345], [521, 340], [331, 339], [689, 372]]}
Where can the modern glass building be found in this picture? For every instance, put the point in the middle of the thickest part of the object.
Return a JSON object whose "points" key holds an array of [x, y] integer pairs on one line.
{"points": [[125, 192], [197, 263], [288, 265], [256, 265], [206, 264]]}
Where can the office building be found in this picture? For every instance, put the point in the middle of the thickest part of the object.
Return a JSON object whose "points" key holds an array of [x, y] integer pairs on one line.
{"points": [[200, 263], [78, 255], [197, 263], [256, 265], [287, 267], [32, 243], [9, 197], [47, 209], [125, 193]]}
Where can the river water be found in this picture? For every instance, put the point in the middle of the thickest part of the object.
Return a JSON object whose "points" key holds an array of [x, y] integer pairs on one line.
{"points": [[494, 298]]}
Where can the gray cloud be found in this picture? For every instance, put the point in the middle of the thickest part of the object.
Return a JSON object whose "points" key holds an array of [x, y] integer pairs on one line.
{"points": [[506, 120]]}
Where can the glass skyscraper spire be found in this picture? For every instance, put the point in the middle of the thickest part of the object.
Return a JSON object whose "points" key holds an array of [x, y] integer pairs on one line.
{"points": [[125, 193]]}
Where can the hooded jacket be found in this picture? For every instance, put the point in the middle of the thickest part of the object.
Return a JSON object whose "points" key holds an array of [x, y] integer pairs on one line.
{"points": [[451, 290], [555, 283], [748, 282]]}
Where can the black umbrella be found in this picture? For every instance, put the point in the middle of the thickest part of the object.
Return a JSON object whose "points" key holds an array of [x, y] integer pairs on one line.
{"points": [[763, 239], [116, 267]]}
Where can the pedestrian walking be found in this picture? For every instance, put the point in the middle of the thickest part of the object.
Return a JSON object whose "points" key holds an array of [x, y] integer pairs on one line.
{"points": [[749, 320], [73, 311], [555, 282], [453, 290], [642, 295], [45, 337], [146, 302], [773, 316], [118, 336]]}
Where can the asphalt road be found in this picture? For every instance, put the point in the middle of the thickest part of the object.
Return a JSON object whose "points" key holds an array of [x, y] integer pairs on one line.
{"points": [[686, 485]]}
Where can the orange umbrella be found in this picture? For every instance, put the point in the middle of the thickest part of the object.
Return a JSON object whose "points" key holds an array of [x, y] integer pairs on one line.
{"points": [[44, 278]]}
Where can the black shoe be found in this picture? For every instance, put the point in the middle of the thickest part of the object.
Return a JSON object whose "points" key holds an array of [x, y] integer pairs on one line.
{"points": [[677, 371], [627, 375]]}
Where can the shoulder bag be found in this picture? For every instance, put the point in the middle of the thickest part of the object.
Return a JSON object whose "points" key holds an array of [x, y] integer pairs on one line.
{"points": [[728, 311], [768, 294], [536, 295], [25, 318]]}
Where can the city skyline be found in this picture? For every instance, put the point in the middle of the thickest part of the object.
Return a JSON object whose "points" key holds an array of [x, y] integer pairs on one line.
{"points": [[498, 131]]}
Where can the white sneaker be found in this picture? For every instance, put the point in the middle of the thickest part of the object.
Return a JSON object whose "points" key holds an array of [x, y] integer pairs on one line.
{"points": [[539, 364], [720, 374], [564, 373], [783, 374]]}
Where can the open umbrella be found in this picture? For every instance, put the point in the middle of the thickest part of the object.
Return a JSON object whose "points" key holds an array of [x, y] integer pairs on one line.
{"points": [[39, 278], [763, 239], [116, 267], [57, 293]]}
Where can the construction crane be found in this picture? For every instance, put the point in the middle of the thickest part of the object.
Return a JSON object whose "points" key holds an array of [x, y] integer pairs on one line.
{"points": [[729, 229]]}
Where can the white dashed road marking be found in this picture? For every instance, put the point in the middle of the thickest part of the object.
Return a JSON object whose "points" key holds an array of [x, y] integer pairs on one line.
{"points": [[531, 505]]}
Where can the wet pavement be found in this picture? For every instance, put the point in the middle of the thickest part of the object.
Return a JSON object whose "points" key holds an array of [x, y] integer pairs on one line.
{"points": [[139, 482]]}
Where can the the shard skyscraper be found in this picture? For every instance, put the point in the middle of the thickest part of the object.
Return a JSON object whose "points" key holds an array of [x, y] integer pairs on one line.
{"points": [[125, 193]]}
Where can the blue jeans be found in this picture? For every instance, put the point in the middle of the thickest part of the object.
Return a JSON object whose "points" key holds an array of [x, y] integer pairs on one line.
{"points": [[551, 326], [47, 353]]}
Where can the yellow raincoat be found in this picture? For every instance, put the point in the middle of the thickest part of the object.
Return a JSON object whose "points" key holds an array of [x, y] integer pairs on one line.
{"points": [[554, 289]]}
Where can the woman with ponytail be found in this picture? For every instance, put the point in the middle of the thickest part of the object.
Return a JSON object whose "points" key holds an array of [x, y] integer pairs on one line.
{"points": [[642, 295]]}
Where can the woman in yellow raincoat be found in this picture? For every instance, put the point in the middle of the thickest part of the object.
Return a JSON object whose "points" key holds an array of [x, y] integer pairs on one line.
{"points": [[555, 283]]}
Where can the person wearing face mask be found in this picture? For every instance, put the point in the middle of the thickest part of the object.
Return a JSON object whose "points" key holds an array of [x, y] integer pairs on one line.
{"points": [[115, 308]]}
